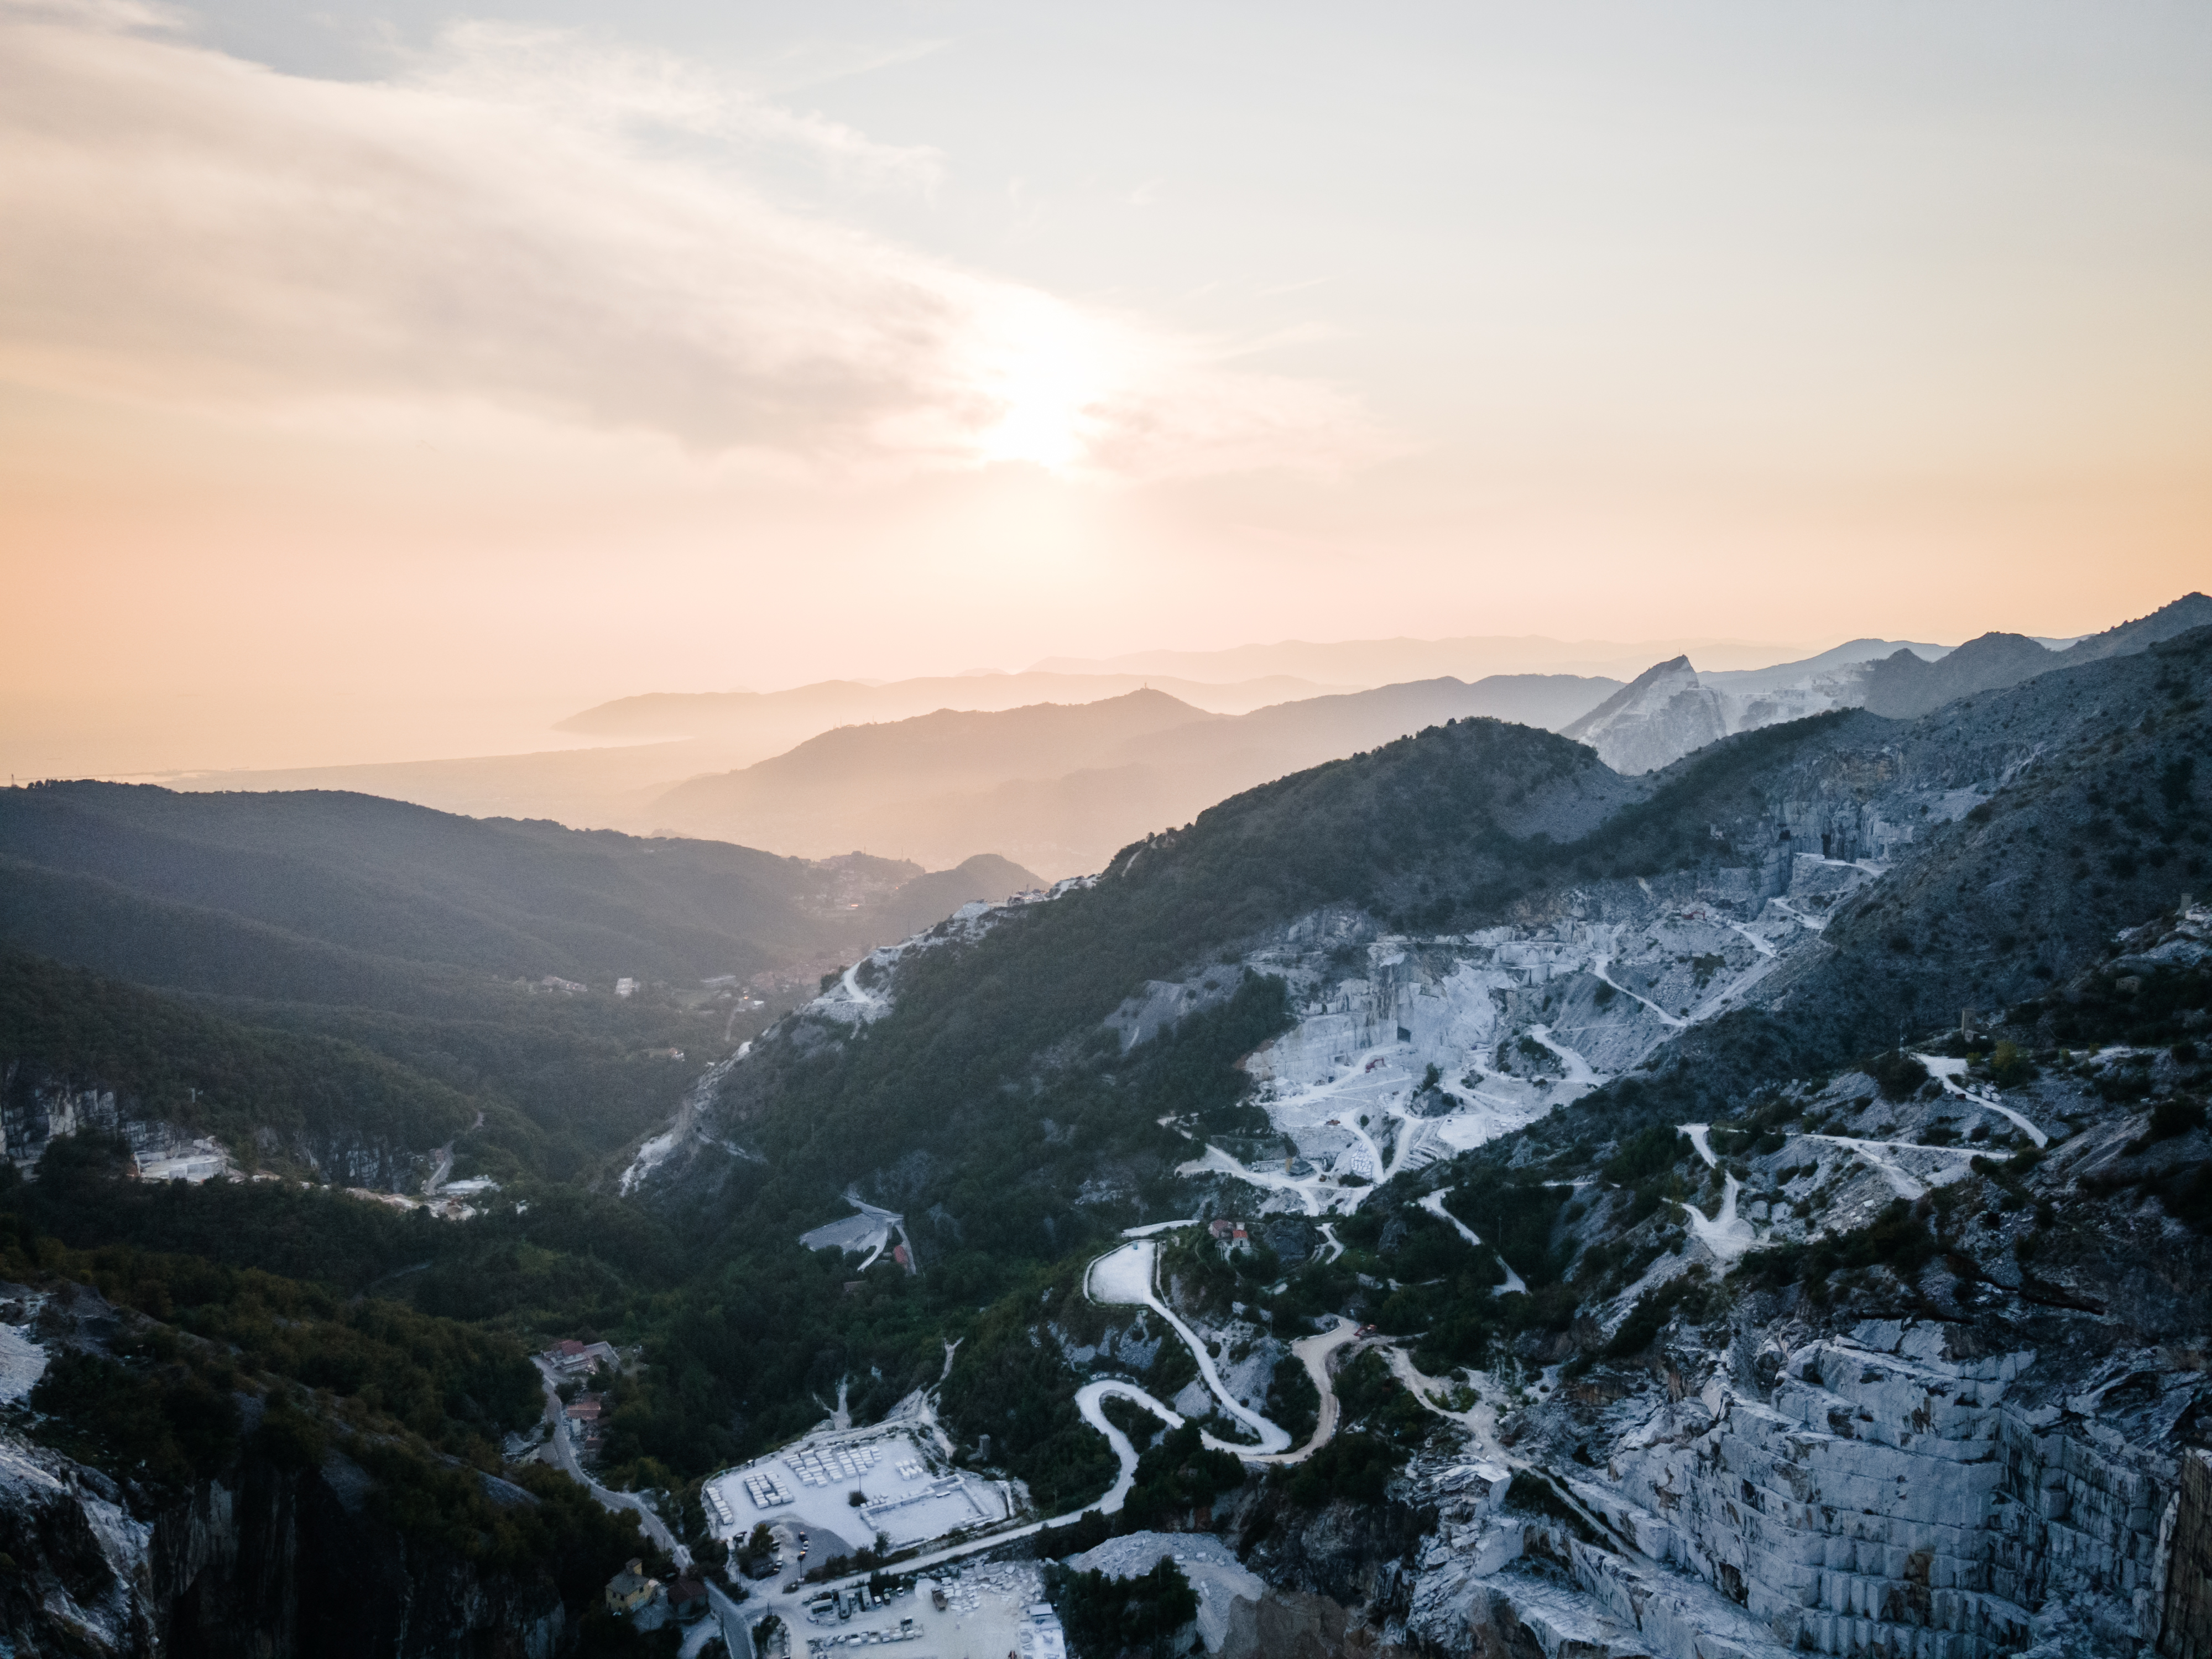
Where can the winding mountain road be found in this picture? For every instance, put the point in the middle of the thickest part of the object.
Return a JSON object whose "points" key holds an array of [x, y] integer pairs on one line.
{"points": [[564, 1457], [1314, 1352], [1125, 1277]]}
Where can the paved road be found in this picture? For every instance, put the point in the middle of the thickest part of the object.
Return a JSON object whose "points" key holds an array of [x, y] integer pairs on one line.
{"points": [[729, 1619], [1315, 1351], [564, 1455], [1087, 1399], [1129, 1279]]}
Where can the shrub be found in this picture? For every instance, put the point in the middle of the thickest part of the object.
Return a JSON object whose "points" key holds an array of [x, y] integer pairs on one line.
{"points": [[1105, 1617], [2009, 1068], [1896, 1073], [1897, 1239], [1657, 1148], [166, 1425], [1354, 1467]]}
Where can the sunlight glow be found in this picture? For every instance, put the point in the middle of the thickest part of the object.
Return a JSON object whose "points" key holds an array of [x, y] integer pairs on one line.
{"points": [[1046, 368]]}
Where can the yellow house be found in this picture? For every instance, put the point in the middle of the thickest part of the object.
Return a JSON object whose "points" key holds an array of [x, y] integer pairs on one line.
{"points": [[631, 1589]]}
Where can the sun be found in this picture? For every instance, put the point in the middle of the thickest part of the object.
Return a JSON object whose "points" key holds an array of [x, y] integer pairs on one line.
{"points": [[1045, 368]]}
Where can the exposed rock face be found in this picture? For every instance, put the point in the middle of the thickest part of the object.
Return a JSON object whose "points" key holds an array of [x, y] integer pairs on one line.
{"points": [[1669, 712], [1995, 1453], [38, 1108], [264, 1561], [2186, 1630], [1343, 1551], [1290, 1625], [1337, 1582], [1886, 1485], [1888, 1494], [1658, 717]]}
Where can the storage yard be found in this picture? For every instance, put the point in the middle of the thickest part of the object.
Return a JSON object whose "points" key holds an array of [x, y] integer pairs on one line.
{"points": [[910, 1494]]}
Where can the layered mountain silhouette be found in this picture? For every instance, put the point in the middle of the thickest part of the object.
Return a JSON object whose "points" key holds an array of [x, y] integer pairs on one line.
{"points": [[1061, 788], [648, 744], [1829, 1101], [772, 721]]}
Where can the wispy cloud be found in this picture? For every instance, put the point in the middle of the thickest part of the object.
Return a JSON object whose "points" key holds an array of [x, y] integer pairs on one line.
{"points": [[558, 76], [534, 222], [806, 63]]}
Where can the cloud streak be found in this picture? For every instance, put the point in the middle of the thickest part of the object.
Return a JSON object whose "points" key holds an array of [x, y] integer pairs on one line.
{"points": [[529, 223]]}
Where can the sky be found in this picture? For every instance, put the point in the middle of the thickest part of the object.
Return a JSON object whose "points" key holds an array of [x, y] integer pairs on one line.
{"points": [[377, 378]]}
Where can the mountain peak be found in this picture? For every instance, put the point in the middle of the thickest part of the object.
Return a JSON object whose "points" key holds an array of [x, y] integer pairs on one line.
{"points": [[1659, 716]]}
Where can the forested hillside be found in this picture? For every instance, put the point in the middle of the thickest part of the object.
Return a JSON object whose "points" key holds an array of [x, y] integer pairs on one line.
{"points": [[1281, 1007], [372, 974], [201, 891], [994, 1103], [191, 1066]]}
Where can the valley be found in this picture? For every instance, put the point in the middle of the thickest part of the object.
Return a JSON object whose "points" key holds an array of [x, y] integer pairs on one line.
{"points": [[1753, 1206], [1189, 832]]}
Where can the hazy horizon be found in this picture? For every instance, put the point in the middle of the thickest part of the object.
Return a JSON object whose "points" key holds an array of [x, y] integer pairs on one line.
{"points": [[1341, 797], [387, 379], [162, 738]]}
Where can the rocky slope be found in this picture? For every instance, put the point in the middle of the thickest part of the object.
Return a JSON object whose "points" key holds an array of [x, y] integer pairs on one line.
{"points": [[282, 1540], [1801, 1344], [1845, 874], [1978, 1432], [1660, 716], [1669, 711], [261, 1560]]}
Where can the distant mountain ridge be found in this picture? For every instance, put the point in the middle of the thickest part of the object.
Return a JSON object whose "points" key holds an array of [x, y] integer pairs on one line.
{"points": [[1671, 709], [657, 740], [1371, 662], [1062, 788], [779, 719], [1843, 656]]}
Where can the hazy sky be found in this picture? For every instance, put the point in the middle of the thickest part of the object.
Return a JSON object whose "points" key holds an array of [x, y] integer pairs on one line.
{"points": [[548, 350]]}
